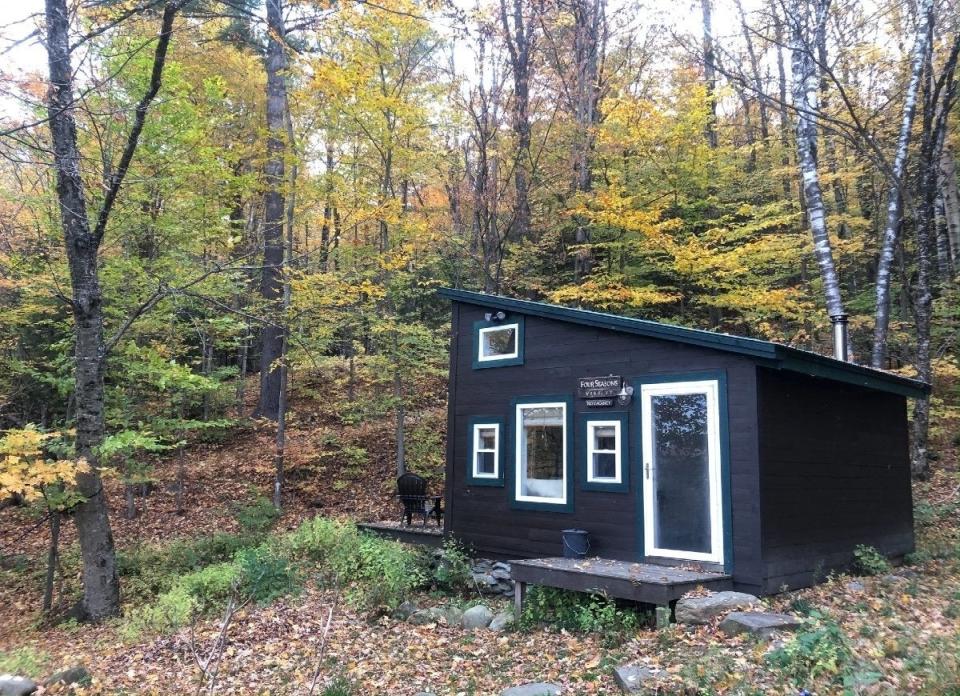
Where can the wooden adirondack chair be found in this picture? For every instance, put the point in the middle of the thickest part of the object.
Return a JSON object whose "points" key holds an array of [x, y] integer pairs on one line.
{"points": [[412, 493]]}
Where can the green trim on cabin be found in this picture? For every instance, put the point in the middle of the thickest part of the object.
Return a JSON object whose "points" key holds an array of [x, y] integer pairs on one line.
{"points": [[766, 353], [497, 362], [569, 464], [502, 437], [726, 494], [583, 463]]}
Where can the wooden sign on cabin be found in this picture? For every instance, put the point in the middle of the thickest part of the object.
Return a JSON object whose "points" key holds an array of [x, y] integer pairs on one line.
{"points": [[599, 387]]}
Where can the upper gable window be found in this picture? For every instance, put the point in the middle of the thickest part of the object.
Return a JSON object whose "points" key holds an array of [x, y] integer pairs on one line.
{"points": [[498, 343]]}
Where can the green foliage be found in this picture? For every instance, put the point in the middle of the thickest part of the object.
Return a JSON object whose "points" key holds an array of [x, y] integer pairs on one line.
{"points": [[341, 686], [25, 660], [265, 576], [377, 574], [818, 649], [576, 611], [869, 561], [450, 570], [147, 571], [257, 517]]}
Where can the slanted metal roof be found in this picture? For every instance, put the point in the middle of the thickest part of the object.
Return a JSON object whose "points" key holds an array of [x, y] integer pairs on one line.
{"points": [[767, 353]]}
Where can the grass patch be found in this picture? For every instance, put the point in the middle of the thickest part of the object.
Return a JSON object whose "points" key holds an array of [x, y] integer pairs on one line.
{"points": [[24, 661]]}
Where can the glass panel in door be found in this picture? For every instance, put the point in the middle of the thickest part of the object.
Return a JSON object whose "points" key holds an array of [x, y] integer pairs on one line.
{"points": [[681, 470]]}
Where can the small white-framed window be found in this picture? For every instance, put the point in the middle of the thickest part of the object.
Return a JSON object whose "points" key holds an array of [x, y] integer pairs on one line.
{"points": [[486, 450], [541, 455], [499, 342], [604, 451]]}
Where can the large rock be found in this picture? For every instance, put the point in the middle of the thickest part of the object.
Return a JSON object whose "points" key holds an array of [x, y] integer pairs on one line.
{"points": [[78, 674], [452, 615], [405, 610], [501, 621], [479, 616], [632, 679], [11, 685], [758, 623], [534, 689], [427, 616], [703, 610]]}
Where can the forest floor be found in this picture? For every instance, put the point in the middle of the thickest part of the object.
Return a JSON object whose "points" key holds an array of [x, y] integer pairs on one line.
{"points": [[891, 633]]}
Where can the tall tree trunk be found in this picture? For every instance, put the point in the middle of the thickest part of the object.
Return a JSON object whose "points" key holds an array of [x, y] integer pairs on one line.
{"points": [[895, 190], [101, 587], [784, 118], [271, 341], [53, 553], [951, 199], [589, 16], [939, 98], [805, 89], [709, 73], [519, 39], [944, 257]]}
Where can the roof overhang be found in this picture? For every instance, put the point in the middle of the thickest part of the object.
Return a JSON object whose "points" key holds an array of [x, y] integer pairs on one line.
{"points": [[766, 353]]}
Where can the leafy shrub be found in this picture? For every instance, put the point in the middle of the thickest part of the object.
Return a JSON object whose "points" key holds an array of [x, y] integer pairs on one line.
{"points": [[316, 539], [576, 611], [148, 571], [818, 649], [265, 576], [377, 573], [25, 660], [381, 572], [256, 518], [449, 570], [339, 687], [868, 561]]}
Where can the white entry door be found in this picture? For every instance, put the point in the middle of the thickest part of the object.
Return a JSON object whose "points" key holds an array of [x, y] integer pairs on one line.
{"points": [[682, 501]]}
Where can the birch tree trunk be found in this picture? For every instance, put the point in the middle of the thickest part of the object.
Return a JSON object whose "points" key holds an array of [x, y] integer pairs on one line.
{"points": [[805, 90], [101, 586], [894, 194], [271, 285]]}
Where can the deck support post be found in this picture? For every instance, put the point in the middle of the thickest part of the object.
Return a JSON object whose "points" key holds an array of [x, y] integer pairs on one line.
{"points": [[663, 617], [519, 594]]}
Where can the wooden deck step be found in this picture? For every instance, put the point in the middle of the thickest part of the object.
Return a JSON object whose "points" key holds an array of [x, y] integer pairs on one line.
{"points": [[641, 582], [424, 535]]}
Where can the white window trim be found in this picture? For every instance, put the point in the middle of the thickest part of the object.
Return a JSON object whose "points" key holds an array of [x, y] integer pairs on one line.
{"points": [[518, 420], [711, 389], [618, 451], [476, 449], [505, 356]]}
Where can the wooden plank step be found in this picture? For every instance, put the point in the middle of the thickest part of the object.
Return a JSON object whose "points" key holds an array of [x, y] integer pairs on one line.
{"points": [[640, 582]]}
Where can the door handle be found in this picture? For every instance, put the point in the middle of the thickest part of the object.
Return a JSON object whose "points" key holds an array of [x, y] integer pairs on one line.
{"points": [[646, 468]]}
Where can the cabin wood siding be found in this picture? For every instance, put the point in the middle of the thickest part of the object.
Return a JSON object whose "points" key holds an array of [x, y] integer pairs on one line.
{"points": [[834, 473], [556, 354]]}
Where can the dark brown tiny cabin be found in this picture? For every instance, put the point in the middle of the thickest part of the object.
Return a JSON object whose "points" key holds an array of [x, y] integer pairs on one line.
{"points": [[670, 446]]}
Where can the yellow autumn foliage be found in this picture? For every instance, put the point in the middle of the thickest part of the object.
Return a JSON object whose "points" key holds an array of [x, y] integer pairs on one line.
{"points": [[25, 471]]}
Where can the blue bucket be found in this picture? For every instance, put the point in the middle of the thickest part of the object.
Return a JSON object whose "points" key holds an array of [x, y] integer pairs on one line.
{"points": [[576, 543]]}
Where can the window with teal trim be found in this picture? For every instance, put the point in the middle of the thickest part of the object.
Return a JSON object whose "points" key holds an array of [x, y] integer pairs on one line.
{"points": [[485, 467], [498, 342], [604, 451], [541, 457]]}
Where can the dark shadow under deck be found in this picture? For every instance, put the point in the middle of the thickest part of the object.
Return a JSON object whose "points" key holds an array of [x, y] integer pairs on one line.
{"points": [[640, 582]]}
